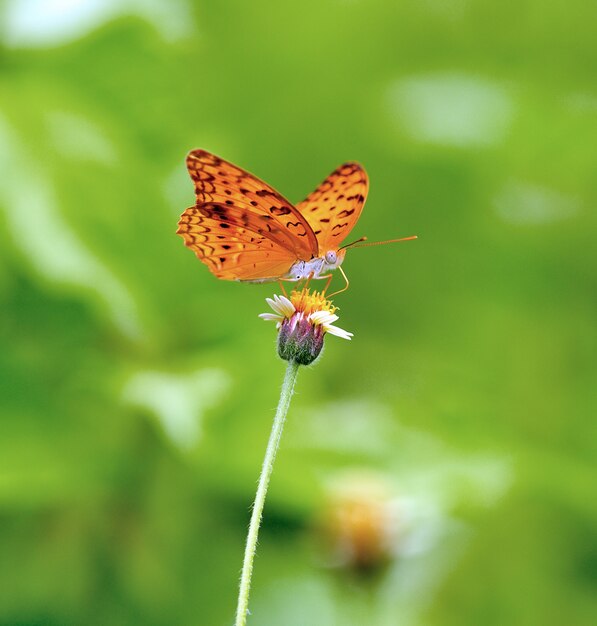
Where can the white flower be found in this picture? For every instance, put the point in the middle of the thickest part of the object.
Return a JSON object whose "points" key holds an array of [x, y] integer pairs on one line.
{"points": [[314, 307], [303, 320]]}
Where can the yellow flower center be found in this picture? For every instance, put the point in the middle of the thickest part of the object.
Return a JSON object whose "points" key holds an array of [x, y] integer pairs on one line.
{"points": [[309, 302]]}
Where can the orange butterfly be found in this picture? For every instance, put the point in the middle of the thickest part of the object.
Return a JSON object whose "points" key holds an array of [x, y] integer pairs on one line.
{"points": [[243, 229]]}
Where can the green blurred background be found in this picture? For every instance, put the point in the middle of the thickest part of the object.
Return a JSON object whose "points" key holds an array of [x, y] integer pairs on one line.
{"points": [[138, 390]]}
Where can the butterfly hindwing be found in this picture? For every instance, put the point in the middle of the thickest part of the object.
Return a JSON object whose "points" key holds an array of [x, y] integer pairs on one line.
{"points": [[334, 207], [232, 251]]}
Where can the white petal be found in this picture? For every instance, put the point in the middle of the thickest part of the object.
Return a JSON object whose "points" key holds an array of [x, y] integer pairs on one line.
{"points": [[273, 304], [339, 332], [287, 304], [281, 305], [271, 317], [323, 317], [316, 316]]}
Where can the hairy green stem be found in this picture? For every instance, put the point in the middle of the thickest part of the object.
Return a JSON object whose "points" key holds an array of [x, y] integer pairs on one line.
{"points": [[266, 472]]}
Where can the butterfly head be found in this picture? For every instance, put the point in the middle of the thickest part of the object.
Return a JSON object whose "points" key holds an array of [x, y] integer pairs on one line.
{"points": [[333, 259]]}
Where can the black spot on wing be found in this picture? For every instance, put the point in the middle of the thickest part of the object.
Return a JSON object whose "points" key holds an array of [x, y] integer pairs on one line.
{"points": [[282, 210]]}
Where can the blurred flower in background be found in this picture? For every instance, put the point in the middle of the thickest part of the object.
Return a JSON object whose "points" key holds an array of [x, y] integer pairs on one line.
{"points": [[387, 537], [363, 523]]}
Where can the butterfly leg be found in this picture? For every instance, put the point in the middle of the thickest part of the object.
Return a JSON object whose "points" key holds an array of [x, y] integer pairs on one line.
{"points": [[343, 288], [327, 285], [308, 281], [288, 280]]}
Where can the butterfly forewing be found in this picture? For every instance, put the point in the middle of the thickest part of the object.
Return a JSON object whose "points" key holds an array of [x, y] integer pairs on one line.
{"points": [[334, 207], [218, 182]]}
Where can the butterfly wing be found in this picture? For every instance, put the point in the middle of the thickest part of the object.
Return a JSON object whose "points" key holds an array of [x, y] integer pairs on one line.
{"points": [[221, 183], [230, 250], [334, 207]]}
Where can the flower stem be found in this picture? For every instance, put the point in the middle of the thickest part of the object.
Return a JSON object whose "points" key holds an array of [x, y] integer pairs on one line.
{"points": [[266, 472]]}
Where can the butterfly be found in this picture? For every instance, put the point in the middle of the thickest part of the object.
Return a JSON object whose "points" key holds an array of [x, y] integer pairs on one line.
{"points": [[245, 230]]}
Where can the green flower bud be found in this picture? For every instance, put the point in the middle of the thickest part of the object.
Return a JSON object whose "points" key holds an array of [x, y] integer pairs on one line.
{"points": [[300, 340]]}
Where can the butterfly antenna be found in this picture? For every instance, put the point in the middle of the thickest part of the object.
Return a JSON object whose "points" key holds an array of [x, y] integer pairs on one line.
{"points": [[349, 245], [357, 243]]}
